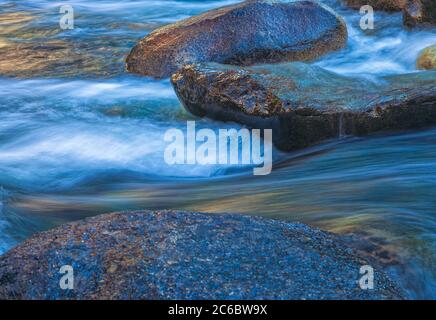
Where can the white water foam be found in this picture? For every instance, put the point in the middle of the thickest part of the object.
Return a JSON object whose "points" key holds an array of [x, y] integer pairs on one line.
{"points": [[104, 91], [388, 49]]}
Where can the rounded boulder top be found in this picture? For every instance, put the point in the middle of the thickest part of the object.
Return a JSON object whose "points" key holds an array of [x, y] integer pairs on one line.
{"points": [[247, 33], [187, 255]]}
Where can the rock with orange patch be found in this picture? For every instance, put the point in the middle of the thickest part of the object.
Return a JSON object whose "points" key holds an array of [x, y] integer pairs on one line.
{"points": [[427, 59]]}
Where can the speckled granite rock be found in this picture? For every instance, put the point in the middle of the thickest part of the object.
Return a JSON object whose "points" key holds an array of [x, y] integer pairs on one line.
{"points": [[305, 104], [185, 255], [255, 31]]}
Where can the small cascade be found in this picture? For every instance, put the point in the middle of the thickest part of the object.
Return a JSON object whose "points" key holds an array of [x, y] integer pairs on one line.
{"points": [[341, 129]]}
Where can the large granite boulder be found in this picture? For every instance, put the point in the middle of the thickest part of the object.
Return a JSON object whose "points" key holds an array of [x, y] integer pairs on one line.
{"points": [[383, 5], [305, 104], [427, 59], [420, 13], [185, 255], [251, 32]]}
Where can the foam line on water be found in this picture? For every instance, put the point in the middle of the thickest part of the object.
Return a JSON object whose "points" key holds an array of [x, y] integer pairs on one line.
{"points": [[121, 88], [126, 7], [388, 49]]}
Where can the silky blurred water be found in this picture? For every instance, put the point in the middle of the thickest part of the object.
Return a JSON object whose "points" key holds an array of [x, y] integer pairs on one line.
{"points": [[79, 136]]}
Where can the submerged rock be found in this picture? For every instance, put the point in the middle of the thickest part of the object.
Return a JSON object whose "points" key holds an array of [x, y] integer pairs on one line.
{"points": [[252, 32], [49, 58], [427, 59], [384, 5], [185, 255], [304, 104], [420, 12]]}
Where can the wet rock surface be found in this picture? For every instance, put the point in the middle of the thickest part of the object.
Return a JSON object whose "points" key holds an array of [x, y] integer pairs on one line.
{"points": [[420, 13], [185, 255], [384, 5], [305, 104], [427, 59], [252, 32]]}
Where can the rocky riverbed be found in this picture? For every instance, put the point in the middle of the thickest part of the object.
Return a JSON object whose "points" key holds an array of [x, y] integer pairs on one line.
{"points": [[303, 105], [187, 255], [80, 137]]}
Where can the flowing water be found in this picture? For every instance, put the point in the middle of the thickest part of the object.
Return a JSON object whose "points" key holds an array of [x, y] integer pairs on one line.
{"points": [[79, 136]]}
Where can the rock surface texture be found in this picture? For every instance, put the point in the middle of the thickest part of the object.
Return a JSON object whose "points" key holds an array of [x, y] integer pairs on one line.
{"points": [[427, 59], [185, 255], [384, 5], [420, 13], [304, 104], [248, 33]]}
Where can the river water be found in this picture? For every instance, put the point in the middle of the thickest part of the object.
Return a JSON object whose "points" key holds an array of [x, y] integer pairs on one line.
{"points": [[79, 136]]}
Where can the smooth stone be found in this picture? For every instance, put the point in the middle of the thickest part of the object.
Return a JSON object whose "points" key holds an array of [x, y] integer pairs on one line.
{"points": [[304, 104], [247, 33]]}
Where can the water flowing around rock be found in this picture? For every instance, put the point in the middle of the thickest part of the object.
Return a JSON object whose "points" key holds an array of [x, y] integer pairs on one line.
{"points": [[80, 137]]}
